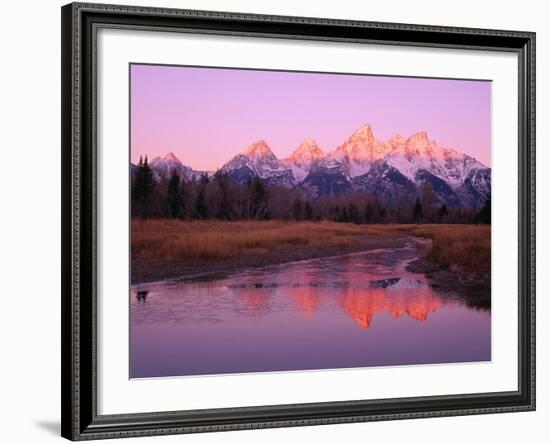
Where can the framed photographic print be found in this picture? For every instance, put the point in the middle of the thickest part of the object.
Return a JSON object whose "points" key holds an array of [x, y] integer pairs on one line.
{"points": [[280, 221]]}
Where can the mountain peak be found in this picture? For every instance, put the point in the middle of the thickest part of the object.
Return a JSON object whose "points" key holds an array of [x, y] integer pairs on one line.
{"points": [[308, 144], [258, 160], [307, 151], [420, 137], [170, 157], [397, 138], [258, 149], [363, 132], [421, 143], [363, 137], [361, 148]]}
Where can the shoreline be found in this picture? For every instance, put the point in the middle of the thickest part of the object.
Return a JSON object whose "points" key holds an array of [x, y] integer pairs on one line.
{"points": [[151, 270], [473, 286], [464, 281]]}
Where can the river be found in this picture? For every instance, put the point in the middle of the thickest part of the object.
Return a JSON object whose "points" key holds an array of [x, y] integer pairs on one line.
{"points": [[355, 310]]}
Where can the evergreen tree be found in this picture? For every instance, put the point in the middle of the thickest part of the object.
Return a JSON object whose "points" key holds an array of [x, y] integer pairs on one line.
{"points": [[353, 214], [297, 209], [335, 213], [443, 212], [204, 180], [308, 211], [224, 209], [144, 184], [417, 211], [344, 216], [369, 214], [379, 212], [200, 203], [174, 198], [484, 215], [382, 213], [201, 206], [258, 199]]}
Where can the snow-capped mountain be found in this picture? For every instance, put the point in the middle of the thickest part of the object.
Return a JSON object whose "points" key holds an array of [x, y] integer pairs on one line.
{"points": [[327, 177], [259, 160], [393, 170], [163, 167], [476, 188], [418, 152], [301, 160], [387, 183], [358, 153]]}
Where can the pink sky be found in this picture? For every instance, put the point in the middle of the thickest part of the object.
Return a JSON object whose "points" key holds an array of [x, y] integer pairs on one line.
{"points": [[207, 115]]}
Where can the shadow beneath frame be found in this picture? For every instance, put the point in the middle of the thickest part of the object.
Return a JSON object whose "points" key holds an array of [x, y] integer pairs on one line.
{"points": [[53, 427]]}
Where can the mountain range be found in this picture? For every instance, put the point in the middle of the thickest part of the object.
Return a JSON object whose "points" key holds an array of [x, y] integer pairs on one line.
{"points": [[393, 170]]}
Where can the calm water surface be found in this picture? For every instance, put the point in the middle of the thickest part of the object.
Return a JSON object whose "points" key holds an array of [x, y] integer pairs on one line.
{"points": [[356, 310]]}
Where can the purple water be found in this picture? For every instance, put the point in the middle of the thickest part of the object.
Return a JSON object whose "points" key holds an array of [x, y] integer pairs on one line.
{"points": [[357, 310]]}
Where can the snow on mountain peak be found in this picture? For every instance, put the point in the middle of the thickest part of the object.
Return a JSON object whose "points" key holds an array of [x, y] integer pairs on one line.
{"points": [[420, 141], [164, 167], [301, 160], [362, 138], [360, 150], [421, 136], [171, 156], [259, 149], [362, 161], [259, 160], [307, 151], [396, 140], [364, 131]]}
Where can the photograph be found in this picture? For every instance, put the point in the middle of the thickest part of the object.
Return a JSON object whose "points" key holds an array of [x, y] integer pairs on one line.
{"points": [[293, 220], [283, 218]]}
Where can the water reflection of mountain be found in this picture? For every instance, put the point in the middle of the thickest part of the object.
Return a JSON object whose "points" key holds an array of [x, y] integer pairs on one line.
{"points": [[396, 296], [361, 300], [306, 300], [363, 304], [347, 311]]}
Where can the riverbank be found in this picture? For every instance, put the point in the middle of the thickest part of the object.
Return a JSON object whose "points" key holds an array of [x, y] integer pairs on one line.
{"points": [[155, 269], [164, 249], [458, 261], [459, 258], [472, 286]]}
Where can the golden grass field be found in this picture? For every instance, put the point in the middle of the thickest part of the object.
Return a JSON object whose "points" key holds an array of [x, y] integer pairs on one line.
{"points": [[455, 247]]}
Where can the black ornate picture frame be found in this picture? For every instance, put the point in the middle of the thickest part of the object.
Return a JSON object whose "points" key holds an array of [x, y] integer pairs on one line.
{"points": [[80, 419]]}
